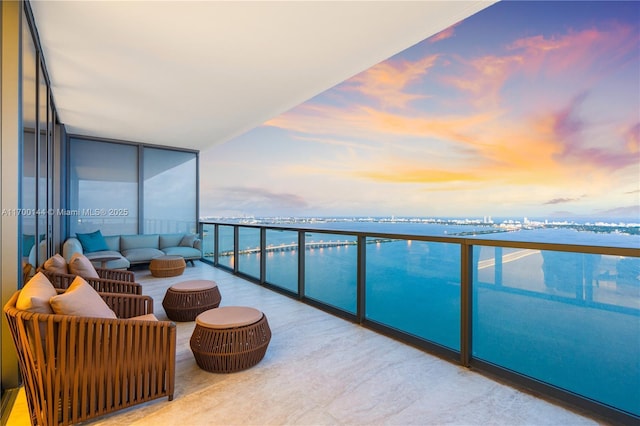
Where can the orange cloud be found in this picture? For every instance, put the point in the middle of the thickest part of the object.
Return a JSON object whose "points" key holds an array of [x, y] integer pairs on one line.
{"points": [[387, 81], [491, 146], [416, 175], [632, 139], [484, 78], [444, 34]]}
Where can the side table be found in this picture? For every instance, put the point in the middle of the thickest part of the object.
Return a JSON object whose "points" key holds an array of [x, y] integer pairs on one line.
{"points": [[229, 339], [167, 266], [184, 301]]}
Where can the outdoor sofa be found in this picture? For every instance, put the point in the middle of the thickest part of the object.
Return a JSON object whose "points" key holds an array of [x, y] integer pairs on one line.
{"points": [[127, 250]]}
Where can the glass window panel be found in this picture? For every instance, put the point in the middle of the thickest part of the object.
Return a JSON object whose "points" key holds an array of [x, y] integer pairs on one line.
{"points": [[282, 259], [43, 165], [331, 269], [103, 187], [556, 315], [29, 151], [249, 251], [169, 191], [414, 286]]}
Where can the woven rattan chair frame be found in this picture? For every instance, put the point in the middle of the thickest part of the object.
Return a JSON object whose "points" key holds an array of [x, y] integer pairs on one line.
{"points": [[231, 349], [78, 368], [187, 305], [106, 285], [116, 274]]}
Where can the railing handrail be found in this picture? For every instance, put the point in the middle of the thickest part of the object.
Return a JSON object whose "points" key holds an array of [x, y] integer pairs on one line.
{"points": [[469, 261], [574, 248]]}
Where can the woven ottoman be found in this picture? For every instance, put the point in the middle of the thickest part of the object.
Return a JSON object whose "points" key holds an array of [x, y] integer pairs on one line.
{"points": [[231, 338], [184, 301], [167, 266]]}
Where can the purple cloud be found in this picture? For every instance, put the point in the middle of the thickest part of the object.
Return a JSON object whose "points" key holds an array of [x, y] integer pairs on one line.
{"points": [[569, 128]]}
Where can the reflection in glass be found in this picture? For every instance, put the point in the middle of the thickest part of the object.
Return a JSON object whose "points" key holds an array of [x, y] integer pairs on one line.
{"points": [[331, 269], [225, 246], [43, 169], [249, 251], [208, 247], [103, 187], [169, 191], [414, 286], [569, 319], [282, 259], [29, 151]]}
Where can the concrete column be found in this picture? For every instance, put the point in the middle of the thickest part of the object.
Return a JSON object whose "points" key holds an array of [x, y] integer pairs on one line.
{"points": [[10, 142]]}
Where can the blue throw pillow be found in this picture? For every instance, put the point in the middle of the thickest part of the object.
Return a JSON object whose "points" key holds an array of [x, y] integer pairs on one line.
{"points": [[92, 242]]}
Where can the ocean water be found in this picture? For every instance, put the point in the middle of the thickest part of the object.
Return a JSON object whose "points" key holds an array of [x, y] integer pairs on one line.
{"points": [[548, 315]]}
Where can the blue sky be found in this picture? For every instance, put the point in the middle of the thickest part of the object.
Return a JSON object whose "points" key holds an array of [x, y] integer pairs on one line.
{"points": [[524, 109]]}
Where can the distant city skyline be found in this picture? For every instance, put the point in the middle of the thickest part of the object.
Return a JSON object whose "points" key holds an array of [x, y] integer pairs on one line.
{"points": [[524, 109]]}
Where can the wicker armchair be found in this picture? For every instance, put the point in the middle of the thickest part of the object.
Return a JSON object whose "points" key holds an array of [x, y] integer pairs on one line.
{"points": [[116, 274], [77, 368], [110, 281]]}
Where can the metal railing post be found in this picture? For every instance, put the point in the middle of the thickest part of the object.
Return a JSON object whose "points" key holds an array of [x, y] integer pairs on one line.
{"points": [[466, 280], [216, 244], [301, 263], [361, 278], [263, 255], [236, 243]]}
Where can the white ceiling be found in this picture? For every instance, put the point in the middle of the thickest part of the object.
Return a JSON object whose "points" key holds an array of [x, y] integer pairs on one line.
{"points": [[193, 74]]}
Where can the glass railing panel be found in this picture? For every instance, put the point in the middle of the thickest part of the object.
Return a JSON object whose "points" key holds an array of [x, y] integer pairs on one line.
{"points": [[414, 287], [571, 320], [331, 269], [249, 251], [225, 246], [616, 281], [282, 259], [208, 247]]}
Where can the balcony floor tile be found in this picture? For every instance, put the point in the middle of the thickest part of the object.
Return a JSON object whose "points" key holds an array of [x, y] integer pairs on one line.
{"points": [[322, 370]]}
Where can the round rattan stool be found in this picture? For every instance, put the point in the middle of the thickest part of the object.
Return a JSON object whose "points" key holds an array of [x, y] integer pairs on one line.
{"points": [[231, 338], [167, 266], [185, 300]]}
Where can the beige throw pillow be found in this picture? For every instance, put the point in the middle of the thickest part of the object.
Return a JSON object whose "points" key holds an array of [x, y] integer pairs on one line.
{"points": [[146, 317], [81, 300], [57, 264], [187, 240], [80, 265], [35, 295]]}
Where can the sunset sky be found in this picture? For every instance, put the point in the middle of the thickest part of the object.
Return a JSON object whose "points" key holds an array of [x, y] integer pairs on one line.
{"points": [[524, 109]]}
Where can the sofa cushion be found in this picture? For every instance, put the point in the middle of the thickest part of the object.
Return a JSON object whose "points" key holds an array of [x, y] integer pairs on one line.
{"points": [[138, 255], [170, 240], [81, 299], [57, 264], [113, 242], [71, 246], [93, 241], [186, 252], [128, 242], [35, 295], [120, 263], [187, 240], [81, 265]]}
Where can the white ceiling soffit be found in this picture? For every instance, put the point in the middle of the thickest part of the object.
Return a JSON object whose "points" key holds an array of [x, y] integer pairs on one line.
{"points": [[193, 74]]}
